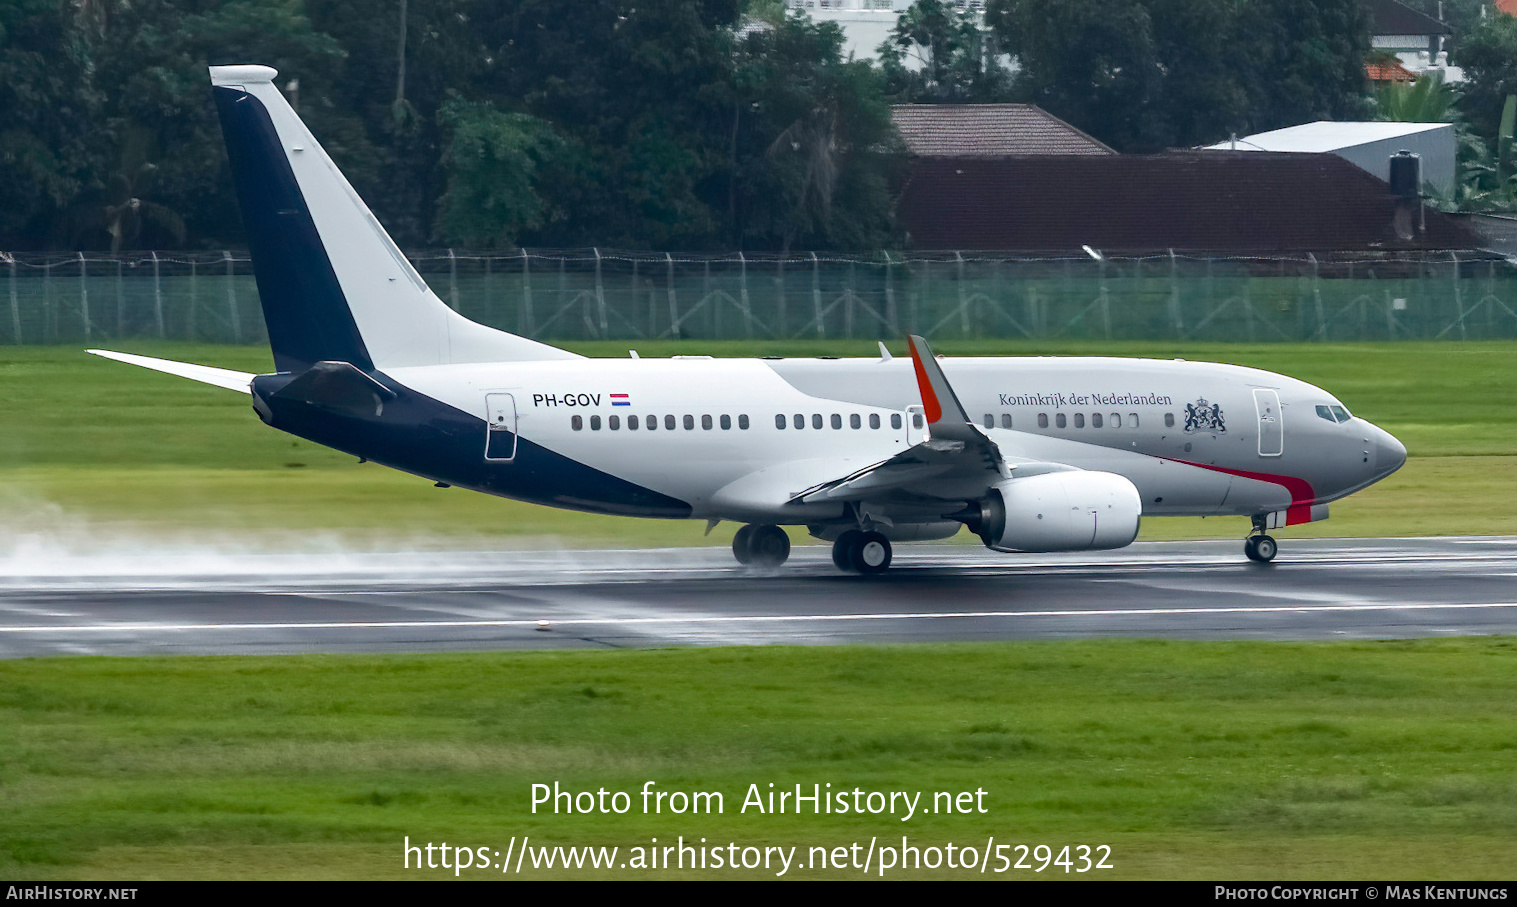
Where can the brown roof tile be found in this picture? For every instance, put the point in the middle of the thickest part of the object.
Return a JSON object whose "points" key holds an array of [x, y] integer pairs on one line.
{"points": [[979, 130], [1389, 72]]}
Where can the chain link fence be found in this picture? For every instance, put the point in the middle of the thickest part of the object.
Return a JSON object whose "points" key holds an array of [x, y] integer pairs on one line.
{"points": [[94, 298]]}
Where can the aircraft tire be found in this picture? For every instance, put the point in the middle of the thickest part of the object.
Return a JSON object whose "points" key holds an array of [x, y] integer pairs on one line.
{"points": [[1265, 549], [742, 544], [1249, 549], [871, 554], [843, 550], [769, 546]]}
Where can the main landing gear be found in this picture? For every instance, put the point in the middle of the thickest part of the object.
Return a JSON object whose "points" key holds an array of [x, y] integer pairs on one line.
{"points": [[861, 552], [761, 546], [1260, 546]]}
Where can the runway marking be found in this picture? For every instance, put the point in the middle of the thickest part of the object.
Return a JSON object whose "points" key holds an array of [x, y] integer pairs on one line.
{"points": [[534, 622]]}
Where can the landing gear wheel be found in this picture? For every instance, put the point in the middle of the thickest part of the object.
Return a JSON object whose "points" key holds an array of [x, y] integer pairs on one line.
{"points": [[871, 553], [1261, 548], [768, 546], [742, 545], [843, 548]]}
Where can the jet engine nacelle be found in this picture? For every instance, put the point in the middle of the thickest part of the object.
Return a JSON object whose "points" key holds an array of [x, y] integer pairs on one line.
{"points": [[1061, 511]]}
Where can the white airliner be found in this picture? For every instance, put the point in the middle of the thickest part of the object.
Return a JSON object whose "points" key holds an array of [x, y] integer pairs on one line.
{"points": [[1032, 454]]}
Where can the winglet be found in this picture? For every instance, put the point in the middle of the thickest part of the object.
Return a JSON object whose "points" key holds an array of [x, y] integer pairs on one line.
{"points": [[938, 398]]}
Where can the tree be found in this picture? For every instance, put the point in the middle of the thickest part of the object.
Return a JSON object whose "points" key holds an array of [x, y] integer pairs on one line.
{"points": [[1091, 62], [1304, 60], [939, 55], [492, 160], [1488, 55], [382, 108], [1143, 75], [50, 105], [1427, 100], [813, 146]]}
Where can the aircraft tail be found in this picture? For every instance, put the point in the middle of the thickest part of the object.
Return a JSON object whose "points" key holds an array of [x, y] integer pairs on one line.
{"points": [[334, 286]]}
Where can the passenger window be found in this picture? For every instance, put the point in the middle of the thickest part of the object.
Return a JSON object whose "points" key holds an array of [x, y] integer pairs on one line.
{"points": [[895, 420], [706, 422], [689, 423], [1116, 420], [669, 423], [726, 423], [799, 421], [1169, 420], [1042, 420], [577, 423], [1005, 420], [1095, 420], [854, 421], [874, 420], [595, 423], [1060, 421], [837, 421], [916, 419], [632, 423], [990, 420], [1132, 420], [816, 420], [779, 420], [613, 422], [742, 422], [650, 422], [1079, 420]]}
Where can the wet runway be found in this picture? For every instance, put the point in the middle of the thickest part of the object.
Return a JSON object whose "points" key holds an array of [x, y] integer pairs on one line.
{"points": [[164, 603]]}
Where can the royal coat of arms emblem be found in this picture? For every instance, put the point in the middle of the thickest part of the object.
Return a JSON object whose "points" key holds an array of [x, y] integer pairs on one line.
{"points": [[1203, 416]]}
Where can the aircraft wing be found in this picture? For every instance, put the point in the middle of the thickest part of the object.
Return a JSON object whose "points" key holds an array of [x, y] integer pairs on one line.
{"points": [[958, 459]]}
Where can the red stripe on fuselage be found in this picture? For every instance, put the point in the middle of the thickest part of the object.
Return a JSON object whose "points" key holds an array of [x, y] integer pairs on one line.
{"points": [[1302, 495]]}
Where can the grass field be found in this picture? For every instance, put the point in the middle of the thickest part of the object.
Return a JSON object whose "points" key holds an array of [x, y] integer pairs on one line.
{"points": [[1189, 760], [89, 443]]}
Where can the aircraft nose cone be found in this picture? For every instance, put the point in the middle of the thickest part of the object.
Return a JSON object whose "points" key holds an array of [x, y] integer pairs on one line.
{"points": [[1390, 454]]}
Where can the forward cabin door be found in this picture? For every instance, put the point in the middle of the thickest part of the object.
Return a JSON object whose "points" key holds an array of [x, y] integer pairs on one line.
{"points": [[500, 437], [1271, 422]]}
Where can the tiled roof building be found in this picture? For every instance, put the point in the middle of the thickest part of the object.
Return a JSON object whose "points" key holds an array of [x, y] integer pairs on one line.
{"points": [[980, 130]]}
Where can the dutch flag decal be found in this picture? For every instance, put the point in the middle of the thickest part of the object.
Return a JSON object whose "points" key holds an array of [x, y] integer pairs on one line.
{"points": [[620, 400]]}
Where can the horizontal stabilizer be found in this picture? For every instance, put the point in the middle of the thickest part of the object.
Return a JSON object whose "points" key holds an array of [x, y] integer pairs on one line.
{"points": [[205, 374]]}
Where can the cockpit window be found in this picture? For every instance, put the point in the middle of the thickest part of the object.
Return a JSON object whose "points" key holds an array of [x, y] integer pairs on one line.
{"points": [[1333, 413]]}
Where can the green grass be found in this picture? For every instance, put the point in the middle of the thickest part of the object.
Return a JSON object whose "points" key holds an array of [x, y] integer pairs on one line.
{"points": [[121, 448], [1221, 760]]}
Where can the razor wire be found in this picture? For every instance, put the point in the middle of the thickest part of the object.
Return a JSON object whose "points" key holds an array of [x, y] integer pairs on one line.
{"points": [[598, 294]]}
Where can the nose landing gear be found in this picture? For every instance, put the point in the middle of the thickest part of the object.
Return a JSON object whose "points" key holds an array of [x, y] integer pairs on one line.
{"points": [[1260, 546]]}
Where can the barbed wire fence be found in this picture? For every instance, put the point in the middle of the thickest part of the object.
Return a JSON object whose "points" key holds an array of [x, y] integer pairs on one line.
{"points": [[589, 294]]}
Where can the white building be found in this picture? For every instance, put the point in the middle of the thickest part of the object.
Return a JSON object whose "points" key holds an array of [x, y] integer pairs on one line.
{"points": [[867, 24], [1367, 145]]}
